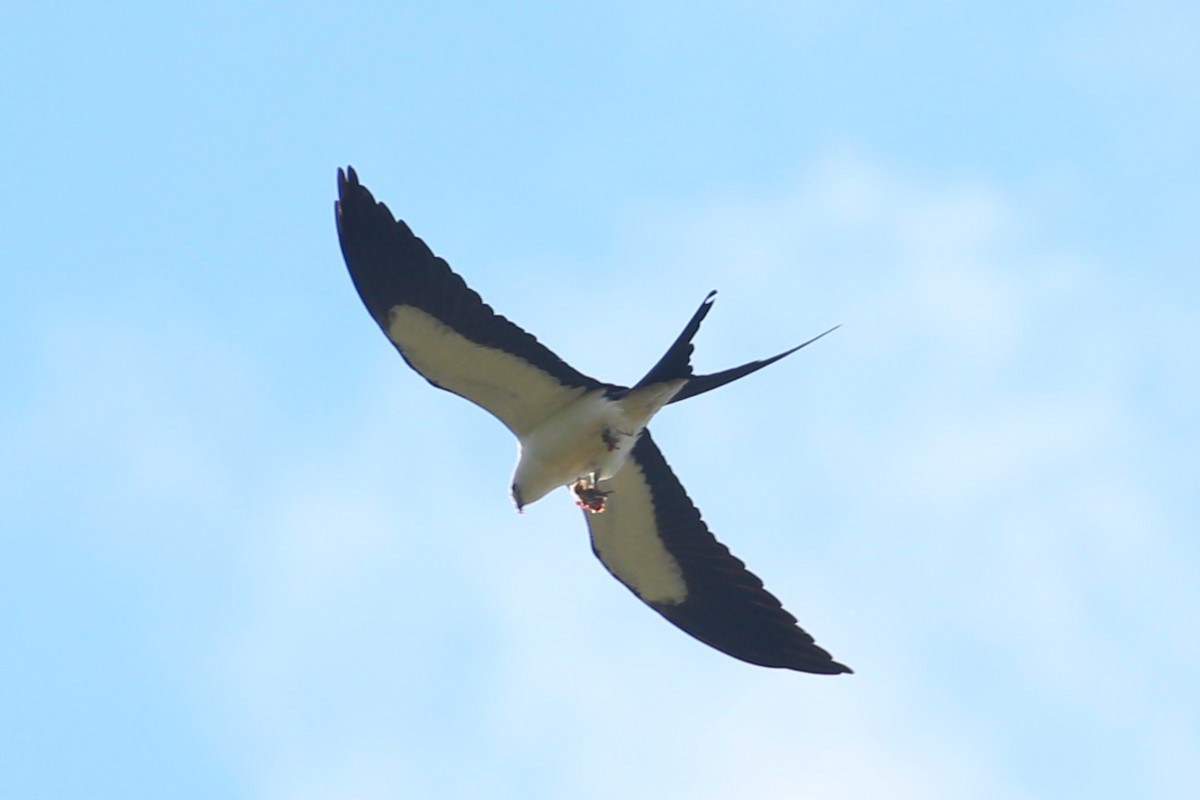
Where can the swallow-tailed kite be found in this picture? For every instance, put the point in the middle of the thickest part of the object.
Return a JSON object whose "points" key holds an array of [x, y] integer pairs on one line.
{"points": [[577, 432]]}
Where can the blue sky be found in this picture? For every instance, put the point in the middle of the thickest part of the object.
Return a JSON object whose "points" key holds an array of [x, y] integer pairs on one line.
{"points": [[248, 554]]}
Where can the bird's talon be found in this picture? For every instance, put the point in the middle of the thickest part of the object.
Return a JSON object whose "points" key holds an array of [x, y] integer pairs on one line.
{"points": [[589, 497]]}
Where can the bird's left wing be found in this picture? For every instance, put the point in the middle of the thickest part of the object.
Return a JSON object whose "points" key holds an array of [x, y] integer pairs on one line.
{"points": [[440, 326], [652, 539]]}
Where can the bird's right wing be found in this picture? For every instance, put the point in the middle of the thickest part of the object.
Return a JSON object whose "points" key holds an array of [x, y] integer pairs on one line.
{"points": [[440, 326], [652, 539]]}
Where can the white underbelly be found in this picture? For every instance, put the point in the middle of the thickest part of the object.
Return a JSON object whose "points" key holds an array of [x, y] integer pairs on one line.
{"points": [[589, 437]]}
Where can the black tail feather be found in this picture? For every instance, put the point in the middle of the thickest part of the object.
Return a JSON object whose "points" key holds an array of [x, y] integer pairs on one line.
{"points": [[677, 362], [699, 384]]}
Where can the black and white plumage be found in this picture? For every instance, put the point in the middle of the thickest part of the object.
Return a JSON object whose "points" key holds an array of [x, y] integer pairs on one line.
{"points": [[576, 431]]}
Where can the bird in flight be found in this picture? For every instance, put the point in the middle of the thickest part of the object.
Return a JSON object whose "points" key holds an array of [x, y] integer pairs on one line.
{"points": [[578, 432]]}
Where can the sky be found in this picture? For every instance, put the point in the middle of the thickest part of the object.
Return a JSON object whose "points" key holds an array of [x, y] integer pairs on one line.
{"points": [[247, 553]]}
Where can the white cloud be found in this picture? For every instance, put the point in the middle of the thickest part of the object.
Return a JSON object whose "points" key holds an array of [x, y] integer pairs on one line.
{"points": [[957, 504], [996, 465]]}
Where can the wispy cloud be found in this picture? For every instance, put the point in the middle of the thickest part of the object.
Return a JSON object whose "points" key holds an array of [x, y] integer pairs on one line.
{"points": [[959, 493]]}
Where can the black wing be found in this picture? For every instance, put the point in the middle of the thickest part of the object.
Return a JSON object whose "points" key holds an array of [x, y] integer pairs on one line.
{"points": [[652, 539], [440, 325]]}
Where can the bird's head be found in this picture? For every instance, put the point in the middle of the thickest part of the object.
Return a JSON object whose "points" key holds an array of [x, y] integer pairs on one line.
{"points": [[530, 483]]}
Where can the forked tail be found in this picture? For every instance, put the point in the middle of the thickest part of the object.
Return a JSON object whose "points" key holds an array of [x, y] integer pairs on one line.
{"points": [[677, 362], [699, 384]]}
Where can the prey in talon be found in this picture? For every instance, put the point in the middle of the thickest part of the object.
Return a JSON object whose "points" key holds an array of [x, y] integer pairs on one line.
{"points": [[589, 496]]}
